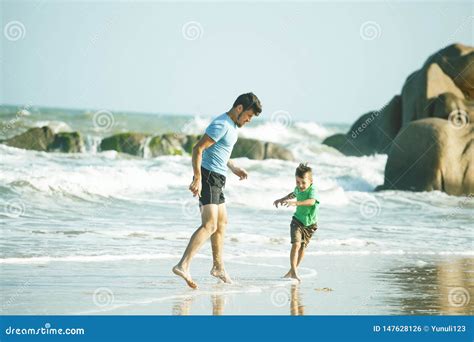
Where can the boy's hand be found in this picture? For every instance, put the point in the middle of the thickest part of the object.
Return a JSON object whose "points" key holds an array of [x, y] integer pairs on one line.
{"points": [[278, 201], [241, 173], [196, 186], [289, 203]]}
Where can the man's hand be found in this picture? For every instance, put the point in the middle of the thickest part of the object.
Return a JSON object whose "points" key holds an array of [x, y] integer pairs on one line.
{"points": [[241, 173], [196, 186]]}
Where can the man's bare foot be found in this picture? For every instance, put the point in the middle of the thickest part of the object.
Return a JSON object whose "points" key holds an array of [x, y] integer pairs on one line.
{"points": [[221, 274], [287, 275], [179, 271], [294, 275]]}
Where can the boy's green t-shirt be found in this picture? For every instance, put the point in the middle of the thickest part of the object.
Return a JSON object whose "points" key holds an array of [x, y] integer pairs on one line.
{"points": [[307, 215]]}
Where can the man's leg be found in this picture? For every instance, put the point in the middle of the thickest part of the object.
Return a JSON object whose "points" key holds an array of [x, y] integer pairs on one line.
{"points": [[208, 227], [217, 243]]}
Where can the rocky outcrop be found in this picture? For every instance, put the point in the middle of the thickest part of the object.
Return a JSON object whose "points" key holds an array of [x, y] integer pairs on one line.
{"points": [[435, 110], [259, 150], [130, 143], [432, 154], [172, 144], [70, 142], [44, 139], [136, 144]]}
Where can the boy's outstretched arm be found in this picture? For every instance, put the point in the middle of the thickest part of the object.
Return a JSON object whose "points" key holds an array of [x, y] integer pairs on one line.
{"points": [[284, 199]]}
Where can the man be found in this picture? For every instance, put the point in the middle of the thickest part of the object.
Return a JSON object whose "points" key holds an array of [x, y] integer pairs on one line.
{"points": [[211, 160]]}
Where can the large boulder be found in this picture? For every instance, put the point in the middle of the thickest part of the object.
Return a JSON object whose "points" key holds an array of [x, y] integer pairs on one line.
{"points": [[130, 143], [448, 71], [432, 154], [443, 88], [372, 133], [70, 142], [38, 139], [259, 150], [249, 148], [167, 144], [427, 131], [275, 151], [44, 139]]}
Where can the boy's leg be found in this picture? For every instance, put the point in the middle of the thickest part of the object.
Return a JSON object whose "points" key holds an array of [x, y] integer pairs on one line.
{"points": [[209, 225], [301, 254], [217, 243], [294, 253]]}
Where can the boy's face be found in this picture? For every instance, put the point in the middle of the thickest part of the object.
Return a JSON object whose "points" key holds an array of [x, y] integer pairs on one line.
{"points": [[305, 182]]}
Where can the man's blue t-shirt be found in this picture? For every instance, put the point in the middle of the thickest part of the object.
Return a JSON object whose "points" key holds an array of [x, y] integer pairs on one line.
{"points": [[224, 132]]}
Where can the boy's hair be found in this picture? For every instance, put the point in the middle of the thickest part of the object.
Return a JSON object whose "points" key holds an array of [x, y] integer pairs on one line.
{"points": [[249, 101], [303, 169]]}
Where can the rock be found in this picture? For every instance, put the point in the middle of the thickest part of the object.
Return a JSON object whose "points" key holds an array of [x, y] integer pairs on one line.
{"points": [[432, 154], [130, 143], [190, 142], [372, 133], [275, 151], [259, 150], [249, 148], [427, 130], [67, 142], [38, 139], [167, 144]]}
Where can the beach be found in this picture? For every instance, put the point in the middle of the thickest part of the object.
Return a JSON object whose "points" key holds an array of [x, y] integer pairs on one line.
{"points": [[98, 232]]}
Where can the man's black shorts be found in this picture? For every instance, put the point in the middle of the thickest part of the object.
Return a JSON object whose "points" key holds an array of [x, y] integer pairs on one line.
{"points": [[213, 184]]}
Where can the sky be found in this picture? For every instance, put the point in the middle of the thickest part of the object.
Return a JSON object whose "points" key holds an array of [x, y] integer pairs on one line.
{"points": [[318, 61]]}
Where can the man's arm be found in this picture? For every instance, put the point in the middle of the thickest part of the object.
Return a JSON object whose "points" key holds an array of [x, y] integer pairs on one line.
{"points": [[198, 149], [241, 173]]}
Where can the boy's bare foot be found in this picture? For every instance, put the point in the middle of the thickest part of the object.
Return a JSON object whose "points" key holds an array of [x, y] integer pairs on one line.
{"points": [[179, 271], [287, 275], [221, 274]]}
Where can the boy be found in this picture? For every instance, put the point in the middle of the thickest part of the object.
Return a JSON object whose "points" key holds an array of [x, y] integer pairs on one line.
{"points": [[304, 221]]}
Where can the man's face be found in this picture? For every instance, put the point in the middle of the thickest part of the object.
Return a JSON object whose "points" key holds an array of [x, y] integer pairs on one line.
{"points": [[303, 183], [245, 117]]}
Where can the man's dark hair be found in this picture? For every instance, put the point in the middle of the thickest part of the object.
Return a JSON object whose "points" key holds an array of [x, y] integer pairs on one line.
{"points": [[303, 169], [249, 101]]}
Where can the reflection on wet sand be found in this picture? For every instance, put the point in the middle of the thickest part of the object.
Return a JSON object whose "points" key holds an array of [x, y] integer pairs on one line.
{"points": [[182, 306], [444, 288], [296, 306]]}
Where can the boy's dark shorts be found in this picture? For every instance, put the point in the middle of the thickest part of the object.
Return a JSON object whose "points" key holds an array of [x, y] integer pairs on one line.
{"points": [[212, 184], [300, 233]]}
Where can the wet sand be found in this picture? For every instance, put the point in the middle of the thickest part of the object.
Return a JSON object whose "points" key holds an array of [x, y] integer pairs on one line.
{"points": [[331, 285]]}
